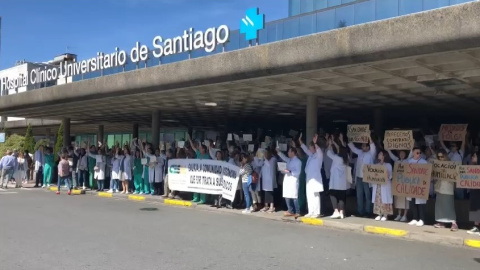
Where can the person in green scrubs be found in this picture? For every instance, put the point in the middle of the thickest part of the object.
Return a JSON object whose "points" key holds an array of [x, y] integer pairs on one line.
{"points": [[201, 153], [48, 168], [137, 172]]}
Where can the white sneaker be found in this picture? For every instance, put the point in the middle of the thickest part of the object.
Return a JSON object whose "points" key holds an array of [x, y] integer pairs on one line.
{"points": [[335, 215], [116, 190], [384, 218], [309, 215], [246, 211], [342, 216], [43, 186], [398, 218], [251, 209], [403, 219], [378, 218], [141, 193], [110, 191], [420, 223], [413, 222], [126, 192], [83, 188]]}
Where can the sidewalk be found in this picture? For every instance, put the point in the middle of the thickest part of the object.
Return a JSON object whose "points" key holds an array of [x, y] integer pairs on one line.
{"points": [[362, 225]]}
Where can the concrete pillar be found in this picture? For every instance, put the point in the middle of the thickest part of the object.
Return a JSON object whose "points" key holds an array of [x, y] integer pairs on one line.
{"points": [[135, 131], [378, 122], [156, 129], [100, 133], [66, 132], [48, 133], [312, 109]]}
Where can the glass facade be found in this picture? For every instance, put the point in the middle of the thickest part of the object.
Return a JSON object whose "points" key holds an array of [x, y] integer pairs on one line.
{"points": [[306, 17], [124, 138]]}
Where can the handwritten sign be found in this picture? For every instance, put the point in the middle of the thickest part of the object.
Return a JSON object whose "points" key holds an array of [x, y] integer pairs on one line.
{"points": [[469, 177], [375, 174], [247, 137], [445, 170], [411, 180], [358, 133], [398, 140], [453, 132]]}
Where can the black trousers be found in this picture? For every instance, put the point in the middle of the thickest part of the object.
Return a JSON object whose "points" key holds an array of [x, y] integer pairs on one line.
{"points": [[418, 210], [39, 177]]}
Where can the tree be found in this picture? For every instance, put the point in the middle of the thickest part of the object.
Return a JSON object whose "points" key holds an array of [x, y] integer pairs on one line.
{"points": [[42, 142], [29, 144], [12, 142], [59, 142]]}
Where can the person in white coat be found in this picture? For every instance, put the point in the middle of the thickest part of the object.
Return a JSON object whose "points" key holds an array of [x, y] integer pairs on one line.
{"points": [[382, 194], [115, 175], [125, 168], [290, 181], [338, 178], [366, 155], [268, 176], [99, 169], [313, 171], [418, 205], [155, 170]]}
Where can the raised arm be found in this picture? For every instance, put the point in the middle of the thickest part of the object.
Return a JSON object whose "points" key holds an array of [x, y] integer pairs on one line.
{"points": [[373, 148], [282, 156], [303, 146], [392, 156], [442, 143], [354, 149], [191, 143]]}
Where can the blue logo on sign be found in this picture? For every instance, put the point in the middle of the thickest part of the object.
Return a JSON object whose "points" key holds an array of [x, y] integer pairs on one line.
{"points": [[252, 22]]}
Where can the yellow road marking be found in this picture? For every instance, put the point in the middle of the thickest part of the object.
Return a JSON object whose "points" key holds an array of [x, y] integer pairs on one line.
{"points": [[177, 202], [136, 198], [472, 243], [312, 221], [385, 231]]}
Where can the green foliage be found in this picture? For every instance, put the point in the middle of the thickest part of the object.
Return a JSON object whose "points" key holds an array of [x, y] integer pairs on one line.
{"points": [[12, 142], [29, 144], [59, 142], [42, 142]]}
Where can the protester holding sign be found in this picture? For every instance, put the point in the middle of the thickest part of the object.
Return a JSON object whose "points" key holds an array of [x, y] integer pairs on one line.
{"points": [[444, 203], [338, 177], [382, 194], [418, 205], [366, 155], [313, 170], [454, 154], [400, 203], [290, 181], [474, 210]]}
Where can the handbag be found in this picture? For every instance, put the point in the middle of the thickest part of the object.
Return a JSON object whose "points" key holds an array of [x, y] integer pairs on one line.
{"points": [[349, 175]]}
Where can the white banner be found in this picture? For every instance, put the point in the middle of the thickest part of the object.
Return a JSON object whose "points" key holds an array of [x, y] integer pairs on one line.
{"points": [[203, 176]]}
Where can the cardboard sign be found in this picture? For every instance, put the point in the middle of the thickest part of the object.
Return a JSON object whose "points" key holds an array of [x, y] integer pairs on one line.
{"points": [[398, 140], [358, 133], [375, 174], [247, 137], [453, 132], [445, 170], [469, 177], [411, 180]]}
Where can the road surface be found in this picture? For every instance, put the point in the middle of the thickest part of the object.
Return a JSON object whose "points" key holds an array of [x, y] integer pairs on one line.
{"points": [[41, 230]]}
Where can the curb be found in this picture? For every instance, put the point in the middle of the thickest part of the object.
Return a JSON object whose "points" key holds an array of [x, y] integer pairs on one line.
{"points": [[74, 191], [312, 221], [136, 198], [385, 231], [177, 202], [105, 194], [472, 243]]}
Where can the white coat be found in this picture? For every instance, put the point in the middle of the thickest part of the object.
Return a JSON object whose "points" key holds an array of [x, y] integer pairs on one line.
{"points": [[419, 161], [156, 169], [363, 158], [268, 174], [290, 181], [116, 167], [257, 167], [338, 172], [313, 169], [127, 166], [387, 197], [101, 162]]}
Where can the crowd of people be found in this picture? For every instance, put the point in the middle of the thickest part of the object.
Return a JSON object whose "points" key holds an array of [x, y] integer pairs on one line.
{"points": [[328, 166]]}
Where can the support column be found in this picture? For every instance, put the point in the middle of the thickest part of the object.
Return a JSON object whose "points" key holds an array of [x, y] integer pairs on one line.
{"points": [[378, 121], [156, 129], [135, 131], [312, 109], [100, 133], [66, 132], [48, 135]]}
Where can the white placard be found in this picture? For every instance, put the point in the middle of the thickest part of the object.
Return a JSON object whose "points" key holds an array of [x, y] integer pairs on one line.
{"points": [[144, 161], [282, 166], [293, 133], [207, 143], [263, 145], [247, 137], [229, 137], [251, 147], [181, 144], [203, 176], [236, 137], [283, 147]]}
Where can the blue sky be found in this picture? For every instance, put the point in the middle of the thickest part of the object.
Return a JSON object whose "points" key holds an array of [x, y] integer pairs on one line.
{"points": [[37, 30]]}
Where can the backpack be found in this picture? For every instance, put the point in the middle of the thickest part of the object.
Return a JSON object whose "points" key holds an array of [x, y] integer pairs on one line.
{"points": [[255, 177]]}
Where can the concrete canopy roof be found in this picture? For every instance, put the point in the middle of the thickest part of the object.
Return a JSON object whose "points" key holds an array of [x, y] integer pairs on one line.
{"points": [[424, 61]]}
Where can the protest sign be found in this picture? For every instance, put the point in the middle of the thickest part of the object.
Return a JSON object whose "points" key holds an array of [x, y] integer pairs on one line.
{"points": [[283, 147], [453, 132], [247, 137], [203, 176], [236, 137], [181, 144], [469, 177], [411, 180], [282, 166], [229, 137], [375, 174], [358, 133], [398, 140], [251, 148], [445, 170]]}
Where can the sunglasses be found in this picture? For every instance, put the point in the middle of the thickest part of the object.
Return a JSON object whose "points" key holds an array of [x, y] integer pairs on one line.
{"points": [[416, 153]]}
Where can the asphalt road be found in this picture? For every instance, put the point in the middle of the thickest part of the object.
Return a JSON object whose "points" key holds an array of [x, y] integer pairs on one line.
{"points": [[40, 230]]}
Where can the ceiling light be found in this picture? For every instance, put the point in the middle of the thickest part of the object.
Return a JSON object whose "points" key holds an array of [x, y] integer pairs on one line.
{"points": [[211, 104], [340, 121], [170, 120], [285, 113]]}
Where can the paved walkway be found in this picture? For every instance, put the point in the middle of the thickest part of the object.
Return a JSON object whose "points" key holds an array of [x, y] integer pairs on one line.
{"points": [[363, 225]]}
